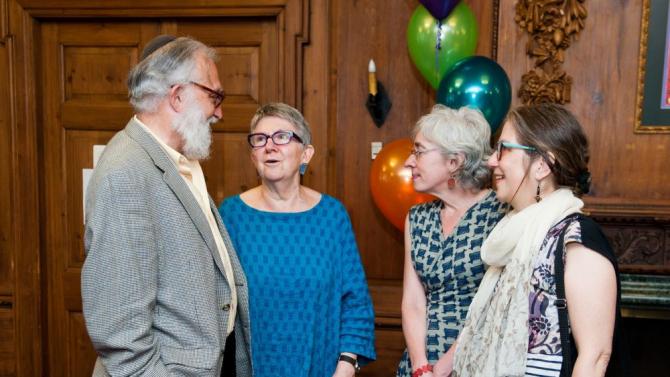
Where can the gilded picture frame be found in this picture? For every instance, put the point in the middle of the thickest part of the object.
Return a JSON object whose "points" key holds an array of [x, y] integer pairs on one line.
{"points": [[652, 112]]}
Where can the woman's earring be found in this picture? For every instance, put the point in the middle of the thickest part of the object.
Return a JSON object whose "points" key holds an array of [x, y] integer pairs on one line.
{"points": [[537, 193], [451, 182], [303, 168]]}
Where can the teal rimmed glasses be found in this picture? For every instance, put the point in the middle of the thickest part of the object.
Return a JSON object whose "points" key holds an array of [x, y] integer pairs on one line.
{"points": [[501, 145]]}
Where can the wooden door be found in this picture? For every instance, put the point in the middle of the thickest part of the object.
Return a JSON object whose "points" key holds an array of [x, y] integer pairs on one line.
{"points": [[84, 98], [84, 102]]}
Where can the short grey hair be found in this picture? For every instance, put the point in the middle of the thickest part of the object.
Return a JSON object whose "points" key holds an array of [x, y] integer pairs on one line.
{"points": [[286, 112], [174, 63], [464, 131]]}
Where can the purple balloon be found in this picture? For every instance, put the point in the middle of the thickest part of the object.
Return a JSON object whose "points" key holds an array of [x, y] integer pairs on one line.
{"points": [[439, 8]]}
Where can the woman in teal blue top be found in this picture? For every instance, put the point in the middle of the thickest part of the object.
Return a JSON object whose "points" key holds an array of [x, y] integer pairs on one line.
{"points": [[311, 313]]}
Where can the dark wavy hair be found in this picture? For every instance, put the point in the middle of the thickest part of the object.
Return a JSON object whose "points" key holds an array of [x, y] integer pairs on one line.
{"points": [[555, 132]]}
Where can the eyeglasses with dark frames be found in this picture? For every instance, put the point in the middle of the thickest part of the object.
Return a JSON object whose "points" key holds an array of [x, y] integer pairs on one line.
{"points": [[501, 145], [217, 96], [281, 137], [418, 152]]}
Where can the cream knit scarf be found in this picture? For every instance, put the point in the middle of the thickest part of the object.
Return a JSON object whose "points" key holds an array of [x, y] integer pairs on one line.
{"points": [[494, 339]]}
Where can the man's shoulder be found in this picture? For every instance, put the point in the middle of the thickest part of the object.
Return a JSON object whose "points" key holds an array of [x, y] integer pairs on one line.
{"points": [[122, 151], [123, 161]]}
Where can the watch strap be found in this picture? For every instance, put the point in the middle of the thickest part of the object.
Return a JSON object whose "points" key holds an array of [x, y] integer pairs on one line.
{"points": [[351, 361]]}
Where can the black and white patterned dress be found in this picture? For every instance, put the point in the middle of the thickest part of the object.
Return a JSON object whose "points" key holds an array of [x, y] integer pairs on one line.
{"points": [[450, 269], [545, 353]]}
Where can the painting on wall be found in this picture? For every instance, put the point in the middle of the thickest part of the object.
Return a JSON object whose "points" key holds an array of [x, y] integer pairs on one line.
{"points": [[652, 113]]}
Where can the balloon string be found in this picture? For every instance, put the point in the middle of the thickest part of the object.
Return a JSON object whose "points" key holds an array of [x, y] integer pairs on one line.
{"points": [[438, 47]]}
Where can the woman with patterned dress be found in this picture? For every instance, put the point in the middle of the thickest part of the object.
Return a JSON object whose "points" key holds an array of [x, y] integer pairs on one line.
{"points": [[310, 308], [442, 238], [514, 325]]}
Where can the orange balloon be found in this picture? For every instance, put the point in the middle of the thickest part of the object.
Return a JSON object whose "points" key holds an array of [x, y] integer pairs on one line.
{"points": [[391, 183]]}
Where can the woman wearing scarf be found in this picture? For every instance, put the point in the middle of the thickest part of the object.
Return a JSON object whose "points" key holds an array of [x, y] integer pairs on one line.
{"points": [[512, 329]]}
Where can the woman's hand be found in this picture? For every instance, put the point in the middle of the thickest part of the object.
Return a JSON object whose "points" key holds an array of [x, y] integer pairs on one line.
{"points": [[344, 369], [445, 365], [442, 369]]}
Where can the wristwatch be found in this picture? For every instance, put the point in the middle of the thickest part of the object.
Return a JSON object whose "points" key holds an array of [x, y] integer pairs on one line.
{"points": [[351, 361]]}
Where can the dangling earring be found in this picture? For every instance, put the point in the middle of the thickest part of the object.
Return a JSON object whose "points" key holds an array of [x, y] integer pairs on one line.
{"points": [[303, 168], [537, 193], [451, 182]]}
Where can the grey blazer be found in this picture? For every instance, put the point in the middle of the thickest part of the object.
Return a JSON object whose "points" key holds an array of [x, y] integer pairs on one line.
{"points": [[155, 297]]}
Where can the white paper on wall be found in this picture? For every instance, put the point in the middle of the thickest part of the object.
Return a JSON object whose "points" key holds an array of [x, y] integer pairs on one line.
{"points": [[85, 177], [97, 151]]}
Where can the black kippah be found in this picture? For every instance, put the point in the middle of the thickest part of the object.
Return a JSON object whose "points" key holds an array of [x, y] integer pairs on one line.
{"points": [[155, 44]]}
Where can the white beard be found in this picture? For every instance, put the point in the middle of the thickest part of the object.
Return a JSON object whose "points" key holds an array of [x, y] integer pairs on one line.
{"points": [[195, 131]]}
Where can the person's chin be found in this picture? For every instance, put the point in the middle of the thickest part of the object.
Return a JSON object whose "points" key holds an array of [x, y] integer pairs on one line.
{"points": [[272, 177], [501, 195], [419, 187]]}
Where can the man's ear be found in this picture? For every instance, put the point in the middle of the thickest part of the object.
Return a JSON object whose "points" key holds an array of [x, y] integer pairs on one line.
{"points": [[175, 98]]}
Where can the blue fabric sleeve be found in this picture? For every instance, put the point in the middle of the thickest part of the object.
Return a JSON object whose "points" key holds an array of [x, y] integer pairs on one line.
{"points": [[357, 328]]}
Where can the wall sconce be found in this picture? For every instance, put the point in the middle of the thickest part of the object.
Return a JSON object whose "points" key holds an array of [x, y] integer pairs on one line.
{"points": [[378, 102]]}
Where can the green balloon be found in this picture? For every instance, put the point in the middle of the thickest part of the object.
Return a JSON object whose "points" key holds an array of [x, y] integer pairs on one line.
{"points": [[457, 40], [478, 82]]}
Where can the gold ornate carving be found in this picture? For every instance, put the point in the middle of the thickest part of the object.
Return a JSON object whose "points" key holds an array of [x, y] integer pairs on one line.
{"points": [[641, 71], [552, 25]]}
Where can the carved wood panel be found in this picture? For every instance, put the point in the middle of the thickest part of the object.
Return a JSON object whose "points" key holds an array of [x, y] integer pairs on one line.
{"points": [[642, 245]]}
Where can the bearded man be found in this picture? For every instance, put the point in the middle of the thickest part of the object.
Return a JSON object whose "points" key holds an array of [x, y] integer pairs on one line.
{"points": [[162, 288]]}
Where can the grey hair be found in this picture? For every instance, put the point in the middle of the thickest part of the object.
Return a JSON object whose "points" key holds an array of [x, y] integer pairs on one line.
{"points": [[286, 112], [174, 63], [460, 132]]}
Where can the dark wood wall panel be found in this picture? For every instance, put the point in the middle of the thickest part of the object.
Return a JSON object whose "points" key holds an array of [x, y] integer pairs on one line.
{"points": [[241, 174], [7, 338], [7, 265], [18, 95], [630, 192], [6, 255]]}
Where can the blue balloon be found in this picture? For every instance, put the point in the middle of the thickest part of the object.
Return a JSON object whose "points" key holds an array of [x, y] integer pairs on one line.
{"points": [[478, 82]]}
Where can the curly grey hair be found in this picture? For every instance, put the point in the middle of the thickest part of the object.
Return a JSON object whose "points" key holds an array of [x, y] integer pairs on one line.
{"points": [[173, 63], [460, 132], [286, 112]]}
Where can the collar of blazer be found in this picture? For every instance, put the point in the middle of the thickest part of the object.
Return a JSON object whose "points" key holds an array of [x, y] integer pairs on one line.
{"points": [[177, 184]]}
